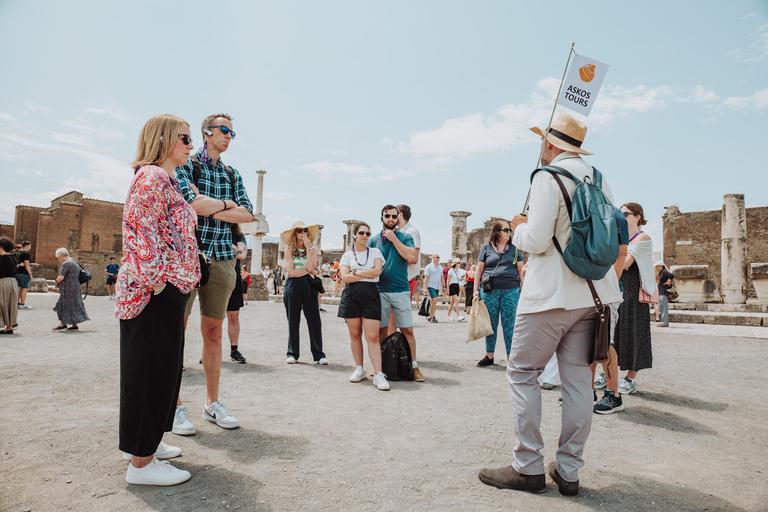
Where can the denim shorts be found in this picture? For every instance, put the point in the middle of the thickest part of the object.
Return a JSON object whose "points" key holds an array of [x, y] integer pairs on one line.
{"points": [[433, 293], [400, 303], [23, 280]]}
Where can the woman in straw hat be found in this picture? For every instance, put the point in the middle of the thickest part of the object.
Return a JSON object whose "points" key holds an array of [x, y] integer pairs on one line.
{"points": [[300, 290]]}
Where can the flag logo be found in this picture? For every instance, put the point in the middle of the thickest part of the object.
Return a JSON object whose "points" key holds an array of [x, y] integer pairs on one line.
{"points": [[587, 72]]}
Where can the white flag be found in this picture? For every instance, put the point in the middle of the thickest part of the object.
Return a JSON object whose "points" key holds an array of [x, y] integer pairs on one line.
{"points": [[582, 84]]}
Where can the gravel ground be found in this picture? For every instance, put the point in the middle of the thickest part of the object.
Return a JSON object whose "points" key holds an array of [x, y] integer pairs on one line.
{"points": [[692, 438]]}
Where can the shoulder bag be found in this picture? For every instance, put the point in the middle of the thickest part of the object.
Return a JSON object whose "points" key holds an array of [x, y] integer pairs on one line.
{"points": [[486, 281]]}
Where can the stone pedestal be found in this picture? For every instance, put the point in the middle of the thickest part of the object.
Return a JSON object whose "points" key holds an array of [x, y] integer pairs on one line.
{"points": [[38, 285], [734, 250], [759, 274], [258, 288], [693, 284], [459, 236]]}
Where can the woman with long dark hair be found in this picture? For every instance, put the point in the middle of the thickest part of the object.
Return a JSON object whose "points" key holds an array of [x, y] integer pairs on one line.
{"points": [[500, 262], [158, 270], [301, 290]]}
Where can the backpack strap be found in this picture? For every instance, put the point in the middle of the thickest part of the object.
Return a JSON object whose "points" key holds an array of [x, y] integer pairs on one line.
{"points": [[197, 171], [598, 178]]}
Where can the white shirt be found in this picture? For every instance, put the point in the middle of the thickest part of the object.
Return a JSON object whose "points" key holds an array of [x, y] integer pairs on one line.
{"points": [[434, 273], [549, 283], [457, 276], [413, 269], [366, 260]]}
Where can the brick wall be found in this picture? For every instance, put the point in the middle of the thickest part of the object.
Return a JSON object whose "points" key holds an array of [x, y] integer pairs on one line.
{"points": [[25, 226], [58, 228], [695, 238], [101, 221], [7, 230], [95, 263]]}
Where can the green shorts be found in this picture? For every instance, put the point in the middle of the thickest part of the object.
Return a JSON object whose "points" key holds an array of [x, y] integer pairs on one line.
{"points": [[214, 296]]}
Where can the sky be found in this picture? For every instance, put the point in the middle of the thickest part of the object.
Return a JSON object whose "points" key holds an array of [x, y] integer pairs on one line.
{"points": [[350, 105]]}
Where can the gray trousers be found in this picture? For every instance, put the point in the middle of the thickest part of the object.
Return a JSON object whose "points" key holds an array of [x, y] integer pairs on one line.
{"points": [[537, 336], [664, 309]]}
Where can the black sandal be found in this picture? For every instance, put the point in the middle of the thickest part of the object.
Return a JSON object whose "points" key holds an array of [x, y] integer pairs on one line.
{"points": [[75, 328], [59, 328], [7, 332]]}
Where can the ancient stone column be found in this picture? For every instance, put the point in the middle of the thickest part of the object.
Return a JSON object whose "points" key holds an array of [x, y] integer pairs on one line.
{"points": [[350, 240], [318, 242], [459, 235], [260, 226], [733, 259]]}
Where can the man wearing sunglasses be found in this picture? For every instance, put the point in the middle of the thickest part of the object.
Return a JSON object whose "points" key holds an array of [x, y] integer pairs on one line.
{"points": [[217, 194], [398, 250]]}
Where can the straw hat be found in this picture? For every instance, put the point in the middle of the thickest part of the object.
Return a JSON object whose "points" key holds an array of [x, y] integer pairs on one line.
{"points": [[290, 235], [566, 133]]}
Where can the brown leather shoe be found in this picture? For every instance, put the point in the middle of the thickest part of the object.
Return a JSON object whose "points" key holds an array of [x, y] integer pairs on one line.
{"points": [[566, 488], [417, 375], [508, 478]]}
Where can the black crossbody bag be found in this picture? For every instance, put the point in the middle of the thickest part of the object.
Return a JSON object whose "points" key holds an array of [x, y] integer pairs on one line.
{"points": [[486, 281]]}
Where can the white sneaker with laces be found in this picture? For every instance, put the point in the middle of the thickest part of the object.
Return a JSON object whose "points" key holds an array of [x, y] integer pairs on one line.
{"points": [[461, 319], [601, 381], [290, 360], [322, 360], [157, 472], [181, 424], [380, 381], [626, 387], [357, 375], [217, 413], [163, 452]]}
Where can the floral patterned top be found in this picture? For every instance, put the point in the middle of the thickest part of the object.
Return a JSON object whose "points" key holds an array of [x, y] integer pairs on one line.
{"points": [[159, 244]]}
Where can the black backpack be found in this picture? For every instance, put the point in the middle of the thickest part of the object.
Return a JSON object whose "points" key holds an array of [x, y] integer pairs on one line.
{"points": [[396, 357]]}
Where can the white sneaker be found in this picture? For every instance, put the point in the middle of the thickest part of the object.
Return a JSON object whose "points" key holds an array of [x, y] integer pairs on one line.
{"points": [[601, 381], [181, 424], [290, 360], [157, 472], [461, 319], [357, 375], [626, 387], [217, 413], [322, 360], [163, 452], [450, 319], [380, 381]]}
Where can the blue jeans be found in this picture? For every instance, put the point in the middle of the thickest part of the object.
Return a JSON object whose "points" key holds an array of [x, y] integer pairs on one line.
{"points": [[504, 303]]}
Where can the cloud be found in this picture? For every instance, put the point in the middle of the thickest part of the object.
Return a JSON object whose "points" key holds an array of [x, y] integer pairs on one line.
{"points": [[386, 141], [700, 95], [36, 107], [750, 15], [334, 152], [86, 127], [757, 51], [115, 112], [7, 118], [758, 100], [9, 200], [328, 169], [71, 138], [355, 173], [509, 126]]}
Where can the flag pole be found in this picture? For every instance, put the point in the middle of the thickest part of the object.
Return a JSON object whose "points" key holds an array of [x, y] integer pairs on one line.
{"points": [[549, 124]]}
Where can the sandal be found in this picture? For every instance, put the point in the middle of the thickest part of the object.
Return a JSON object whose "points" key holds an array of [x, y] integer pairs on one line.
{"points": [[75, 328], [59, 328]]}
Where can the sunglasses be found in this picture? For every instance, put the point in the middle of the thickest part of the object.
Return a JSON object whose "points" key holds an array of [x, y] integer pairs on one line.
{"points": [[363, 233], [627, 214], [224, 129], [300, 230], [388, 216], [506, 230], [186, 139]]}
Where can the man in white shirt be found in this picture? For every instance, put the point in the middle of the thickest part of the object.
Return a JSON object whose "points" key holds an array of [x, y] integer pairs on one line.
{"points": [[556, 314], [433, 276]]}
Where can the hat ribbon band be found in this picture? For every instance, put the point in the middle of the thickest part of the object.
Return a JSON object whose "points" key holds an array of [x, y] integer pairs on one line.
{"points": [[566, 138]]}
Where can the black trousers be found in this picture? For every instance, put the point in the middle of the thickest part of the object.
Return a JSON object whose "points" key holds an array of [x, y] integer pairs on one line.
{"points": [[151, 354], [299, 295]]}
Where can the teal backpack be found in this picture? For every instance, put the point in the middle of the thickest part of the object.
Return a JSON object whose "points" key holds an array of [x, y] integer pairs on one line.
{"points": [[594, 245]]}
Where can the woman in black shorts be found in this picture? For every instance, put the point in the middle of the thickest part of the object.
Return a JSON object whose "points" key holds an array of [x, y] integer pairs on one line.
{"points": [[360, 303]]}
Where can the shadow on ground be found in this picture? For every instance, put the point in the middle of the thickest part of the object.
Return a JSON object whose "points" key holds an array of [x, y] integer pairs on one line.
{"points": [[637, 493], [210, 488], [404, 385], [249, 446], [682, 401], [441, 367], [665, 420]]}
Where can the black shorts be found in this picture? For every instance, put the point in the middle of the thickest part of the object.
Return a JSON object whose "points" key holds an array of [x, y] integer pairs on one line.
{"points": [[360, 300], [236, 299], [453, 289], [111, 280], [244, 286]]}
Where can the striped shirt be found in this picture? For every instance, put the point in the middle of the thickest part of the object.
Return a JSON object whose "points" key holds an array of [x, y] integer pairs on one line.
{"points": [[299, 261], [216, 235]]}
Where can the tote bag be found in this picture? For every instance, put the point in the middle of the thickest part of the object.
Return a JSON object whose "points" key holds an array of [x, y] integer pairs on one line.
{"points": [[479, 325]]}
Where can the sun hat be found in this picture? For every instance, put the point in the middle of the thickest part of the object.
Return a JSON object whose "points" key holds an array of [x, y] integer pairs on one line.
{"points": [[565, 133], [290, 235], [659, 264]]}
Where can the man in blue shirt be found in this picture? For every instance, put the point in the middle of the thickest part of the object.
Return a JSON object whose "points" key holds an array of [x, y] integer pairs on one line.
{"points": [[398, 250], [111, 271], [216, 193]]}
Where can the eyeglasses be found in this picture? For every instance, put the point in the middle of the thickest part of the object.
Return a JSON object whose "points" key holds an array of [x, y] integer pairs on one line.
{"points": [[363, 233], [186, 139], [627, 214], [388, 216], [304, 230], [224, 129], [506, 230]]}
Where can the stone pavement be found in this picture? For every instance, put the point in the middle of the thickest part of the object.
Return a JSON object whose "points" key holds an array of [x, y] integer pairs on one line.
{"points": [[692, 438]]}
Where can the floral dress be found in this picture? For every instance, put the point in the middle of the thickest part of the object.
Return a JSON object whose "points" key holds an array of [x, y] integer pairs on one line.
{"points": [[159, 244], [70, 307]]}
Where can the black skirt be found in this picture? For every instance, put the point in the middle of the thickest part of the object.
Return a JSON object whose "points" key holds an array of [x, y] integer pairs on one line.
{"points": [[360, 300], [632, 336], [151, 353]]}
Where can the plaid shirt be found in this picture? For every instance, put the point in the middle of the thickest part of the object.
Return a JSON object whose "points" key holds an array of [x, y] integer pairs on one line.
{"points": [[216, 235]]}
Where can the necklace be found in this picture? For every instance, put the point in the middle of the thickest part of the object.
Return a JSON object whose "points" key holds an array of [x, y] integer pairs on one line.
{"points": [[367, 256], [506, 248]]}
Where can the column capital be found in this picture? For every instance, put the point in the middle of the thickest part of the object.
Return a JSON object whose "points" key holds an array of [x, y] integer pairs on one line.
{"points": [[261, 172], [461, 214]]}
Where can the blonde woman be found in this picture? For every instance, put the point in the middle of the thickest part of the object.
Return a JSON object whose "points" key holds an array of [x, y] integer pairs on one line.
{"points": [[301, 292], [158, 270]]}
